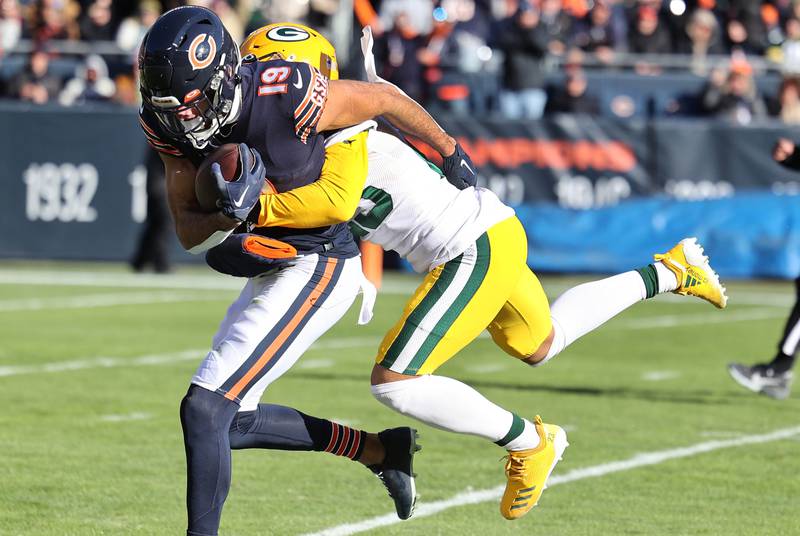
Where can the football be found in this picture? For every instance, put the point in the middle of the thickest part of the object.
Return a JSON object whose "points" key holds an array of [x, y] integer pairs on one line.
{"points": [[205, 186]]}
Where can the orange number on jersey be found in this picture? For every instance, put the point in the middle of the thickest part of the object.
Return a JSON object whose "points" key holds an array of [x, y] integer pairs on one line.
{"points": [[272, 79]]}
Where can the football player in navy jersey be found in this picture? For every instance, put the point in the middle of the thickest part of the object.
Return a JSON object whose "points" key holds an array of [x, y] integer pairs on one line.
{"points": [[197, 95]]}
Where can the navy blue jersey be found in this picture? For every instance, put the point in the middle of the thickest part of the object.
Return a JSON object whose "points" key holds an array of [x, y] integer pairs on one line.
{"points": [[281, 105]]}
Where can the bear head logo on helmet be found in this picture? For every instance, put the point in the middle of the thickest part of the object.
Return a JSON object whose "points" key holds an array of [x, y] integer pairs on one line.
{"points": [[188, 74]]}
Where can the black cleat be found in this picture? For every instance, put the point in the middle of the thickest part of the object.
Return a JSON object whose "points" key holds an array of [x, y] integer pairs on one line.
{"points": [[762, 379], [397, 471]]}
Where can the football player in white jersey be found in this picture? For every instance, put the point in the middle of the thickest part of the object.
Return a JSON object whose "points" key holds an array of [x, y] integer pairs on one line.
{"points": [[474, 251], [198, 94]]}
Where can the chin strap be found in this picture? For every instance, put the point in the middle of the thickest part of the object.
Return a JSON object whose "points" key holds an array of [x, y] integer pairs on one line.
{"points": [[230, 118]]}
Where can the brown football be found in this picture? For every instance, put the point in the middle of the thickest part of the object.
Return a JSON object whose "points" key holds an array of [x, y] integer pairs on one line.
{"points": [[205, 186]]}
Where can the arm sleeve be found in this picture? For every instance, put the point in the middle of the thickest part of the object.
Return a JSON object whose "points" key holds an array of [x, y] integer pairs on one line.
{"points": [[332, 199]]}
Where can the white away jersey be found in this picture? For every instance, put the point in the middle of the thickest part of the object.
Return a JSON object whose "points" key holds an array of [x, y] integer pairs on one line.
{"points": [[408, 207]]}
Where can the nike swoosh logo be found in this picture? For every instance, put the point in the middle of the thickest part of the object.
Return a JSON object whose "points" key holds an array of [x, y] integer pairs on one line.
{"points": [[463, 163], [299, 83], [238, 202]]}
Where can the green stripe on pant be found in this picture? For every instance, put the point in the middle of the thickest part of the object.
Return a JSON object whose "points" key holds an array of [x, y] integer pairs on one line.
{"points": [[415, 318], [483, 256]]}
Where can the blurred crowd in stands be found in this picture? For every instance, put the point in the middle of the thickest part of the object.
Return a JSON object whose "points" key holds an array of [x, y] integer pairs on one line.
{"points": [[738, 59]]}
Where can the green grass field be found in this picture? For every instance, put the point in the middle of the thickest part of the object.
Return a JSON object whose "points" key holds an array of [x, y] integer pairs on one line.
{"points": [[94, 362]]}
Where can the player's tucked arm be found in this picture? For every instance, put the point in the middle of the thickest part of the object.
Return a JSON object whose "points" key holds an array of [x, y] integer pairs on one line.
{"points": [[193, 226], [331, 199], [350, 102]]}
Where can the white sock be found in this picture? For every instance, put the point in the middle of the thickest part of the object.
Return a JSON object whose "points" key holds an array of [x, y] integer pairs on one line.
{"points": [[456, 407], [586, 307], [667, 282]]}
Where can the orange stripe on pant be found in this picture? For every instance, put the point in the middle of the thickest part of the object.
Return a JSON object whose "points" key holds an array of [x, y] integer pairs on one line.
{"points": [[269, 353]]}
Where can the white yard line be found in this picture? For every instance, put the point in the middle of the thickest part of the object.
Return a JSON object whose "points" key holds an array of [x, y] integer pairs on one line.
{"points": [[660, 375], [654, 322], [699, 319], [741, 297], [210, 281], [88, 301], [164, 359], [493, 494], [119, 280], [135, 416], [168, 281], [102, 362], [488, 368], [311, 364]]}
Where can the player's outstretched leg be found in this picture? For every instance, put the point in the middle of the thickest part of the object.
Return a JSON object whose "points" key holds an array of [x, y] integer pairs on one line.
{"points": [[533, 448], [684, 269], [388, 454], [527, 471], [453, 305]]}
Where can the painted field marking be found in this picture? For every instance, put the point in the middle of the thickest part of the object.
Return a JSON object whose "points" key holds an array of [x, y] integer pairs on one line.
{"points": [[135, 416], [603, 469], [660, 375], [90, 278], [487, 368], [210, 281], [311, 364], [88, 301], [162, 359], [717, 317], [743, 297], [654, 322], [102, 362], [167, 281]]}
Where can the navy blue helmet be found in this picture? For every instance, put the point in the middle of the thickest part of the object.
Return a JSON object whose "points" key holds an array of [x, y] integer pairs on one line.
{"points": [[188, 78]]}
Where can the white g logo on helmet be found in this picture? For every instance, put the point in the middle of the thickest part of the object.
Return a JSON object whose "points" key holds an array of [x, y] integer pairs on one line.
{"points": [[288, 33]]}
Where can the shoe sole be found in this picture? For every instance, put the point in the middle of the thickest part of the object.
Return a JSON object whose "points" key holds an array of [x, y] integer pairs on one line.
{"points": [[772, 391], [705, 266], [560, 444], [776, 393], [413, 448]]}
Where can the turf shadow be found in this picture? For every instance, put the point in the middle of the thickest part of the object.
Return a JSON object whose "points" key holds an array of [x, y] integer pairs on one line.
{"points": [[669, 396]]}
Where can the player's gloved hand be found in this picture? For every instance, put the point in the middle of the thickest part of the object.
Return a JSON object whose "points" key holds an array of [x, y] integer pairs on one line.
{"points": [[249, 255], [459, 169], [786, 154], [238, 197]]}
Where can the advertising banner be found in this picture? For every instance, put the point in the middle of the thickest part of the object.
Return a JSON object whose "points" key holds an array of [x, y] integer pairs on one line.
{"points": [[594, 194]]}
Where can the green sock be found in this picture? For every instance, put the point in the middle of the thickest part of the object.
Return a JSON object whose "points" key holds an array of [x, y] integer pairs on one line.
{"points": [[650, 278], [517, 427]]}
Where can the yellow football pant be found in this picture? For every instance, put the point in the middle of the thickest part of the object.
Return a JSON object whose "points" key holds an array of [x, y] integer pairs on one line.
{"points": [[489, 286]]}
